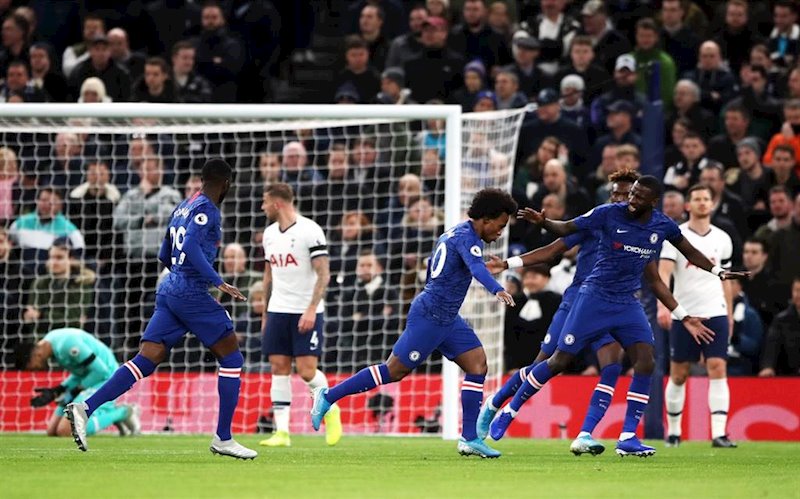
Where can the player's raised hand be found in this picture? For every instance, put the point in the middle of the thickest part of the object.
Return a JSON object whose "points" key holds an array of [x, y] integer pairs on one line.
{"points": [[506, 298], [531, 215], [495, 265], [46, 395], [697, 329], [231, 290], [726, 275], [307, 321]]}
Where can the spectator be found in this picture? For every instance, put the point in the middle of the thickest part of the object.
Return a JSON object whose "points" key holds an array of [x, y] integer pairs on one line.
{"points": [[753, 96], [474, 83], [784, 40], [192, 88], [528, 177], [549, 122], [526, 325], [296, 172], [624, 88], [723, 147], [759, 56], [156, 84], [737, 36], [647, 52], [536, 236], [408, 46], [44, 76], [506, 88], [784, 167], [233, 270], [18, 82], [764, 292], [91, 205], [132, 62], [499, 19], [783, 248], [409, 189], [752, 181], [789, 134], [436, 71], [370, 24], [747, 334], [10, 287], [674, 206], [62, 297], [65, 170], [9, 187], [609, 44], [608, 165], [99, 64], [717, 84], [363, 77], [573, 106], [625, 157], [554, 28], [432, 176], [93, 27], [93, 91], [475, 39], [393, 91], [571, 195], [620, 127], [582, 63], [219, 55], [780, 207], [526, 51], [171, 22], [340, 192], [248, 325], [678, 39], [687, 105], [439, 8], [410, 243], [371, 177], [686, 172], [793, 84], [15, 41], [725, 202], [781, 355], [354, 235], [194, 184]]}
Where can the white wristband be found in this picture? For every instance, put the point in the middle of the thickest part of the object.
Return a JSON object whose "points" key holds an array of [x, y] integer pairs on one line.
{"points": [[679, 313], [717, 270], [514, 262]]}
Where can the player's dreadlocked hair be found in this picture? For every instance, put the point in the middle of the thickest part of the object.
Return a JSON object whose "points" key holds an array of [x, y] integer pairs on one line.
{"points": [[625, 175], [216, 171], [651, 183], [491, 203]]}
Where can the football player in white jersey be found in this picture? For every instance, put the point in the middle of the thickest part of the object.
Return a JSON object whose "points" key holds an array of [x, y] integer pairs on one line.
{"points": [[703, 295], [296, 275]]}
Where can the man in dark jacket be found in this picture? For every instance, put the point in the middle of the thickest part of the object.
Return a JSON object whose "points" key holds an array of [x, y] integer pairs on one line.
{"points": [[192, 88], [476, 40], [436, 71], [220, 57], [155, 85], [717, 84], [782, 347], [100, 64]]}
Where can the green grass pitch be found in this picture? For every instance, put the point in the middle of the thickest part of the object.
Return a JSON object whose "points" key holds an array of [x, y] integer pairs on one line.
{"points": [[34, 466]]}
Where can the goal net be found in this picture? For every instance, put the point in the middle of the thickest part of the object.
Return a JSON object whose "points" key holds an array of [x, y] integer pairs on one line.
{"points": [[86, 194]]}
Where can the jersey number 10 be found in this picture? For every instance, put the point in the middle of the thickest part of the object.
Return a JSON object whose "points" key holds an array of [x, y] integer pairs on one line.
{"points": [[178, 236]]}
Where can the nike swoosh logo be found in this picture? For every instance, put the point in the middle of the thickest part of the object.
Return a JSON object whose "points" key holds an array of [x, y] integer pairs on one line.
{"points": [[621, 231]]}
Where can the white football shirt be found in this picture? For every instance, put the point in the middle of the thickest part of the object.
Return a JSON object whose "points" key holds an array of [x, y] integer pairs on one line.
{"points": [[289, 254], [700, 292]]}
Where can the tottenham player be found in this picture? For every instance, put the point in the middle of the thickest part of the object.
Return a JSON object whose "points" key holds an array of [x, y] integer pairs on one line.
{"points": [[606, 347], [631, 238], [296, 275], [434, 323], [703, 295], [183, 304]]}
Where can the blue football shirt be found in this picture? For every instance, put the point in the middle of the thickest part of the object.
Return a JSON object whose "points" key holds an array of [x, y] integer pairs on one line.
{"points": [[625, 247], [587, 257], [457, 258]]}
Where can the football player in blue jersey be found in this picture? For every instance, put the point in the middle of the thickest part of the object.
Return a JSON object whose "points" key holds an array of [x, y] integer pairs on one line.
{"points": [[183, 304], [631, 235], [606, 347], [434, 323]]}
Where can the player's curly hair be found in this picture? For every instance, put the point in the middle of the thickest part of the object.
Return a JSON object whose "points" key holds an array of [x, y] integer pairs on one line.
{"points": [[491, 203], [216, 171], [624, 175]]}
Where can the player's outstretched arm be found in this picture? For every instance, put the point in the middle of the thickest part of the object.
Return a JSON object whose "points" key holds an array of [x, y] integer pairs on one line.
{"points": [[694, 325], [539, 255], [699, 260], [554, 226]]}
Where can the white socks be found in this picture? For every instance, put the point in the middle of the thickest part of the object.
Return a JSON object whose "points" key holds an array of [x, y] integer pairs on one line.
{"points": [[319, 380], [674, 397], [281, 395], [719, 400]]}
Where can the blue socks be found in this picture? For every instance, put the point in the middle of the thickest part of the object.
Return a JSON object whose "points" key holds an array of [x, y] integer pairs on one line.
{"points": [[365, 379], [121, 381], [471, 398], [536, 378], [638, 396], [228, 383], [510, 387], [601, 398]]}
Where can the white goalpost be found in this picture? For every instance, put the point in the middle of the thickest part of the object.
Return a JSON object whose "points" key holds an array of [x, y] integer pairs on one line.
{"points": [[384, 180]]}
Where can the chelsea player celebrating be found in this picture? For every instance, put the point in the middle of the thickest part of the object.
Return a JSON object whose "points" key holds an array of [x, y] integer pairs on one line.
{"points": [[631, 237], [184, 304], [434, 323]]}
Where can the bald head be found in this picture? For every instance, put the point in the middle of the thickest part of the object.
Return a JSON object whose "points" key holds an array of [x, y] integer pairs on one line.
{"points": [[554, 176], [234, 259], [710, 57]]}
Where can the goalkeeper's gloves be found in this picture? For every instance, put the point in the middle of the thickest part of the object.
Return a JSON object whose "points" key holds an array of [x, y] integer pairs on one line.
{"points": [[46, 395]]}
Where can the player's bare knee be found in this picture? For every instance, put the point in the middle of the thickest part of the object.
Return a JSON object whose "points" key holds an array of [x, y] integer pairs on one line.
{"points": [[717, 368], [559, 362], [154, 352], [644, 365], [307, 371], [397, 370]]}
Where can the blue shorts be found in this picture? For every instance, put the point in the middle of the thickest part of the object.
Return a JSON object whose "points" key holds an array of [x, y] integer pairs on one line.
{"points": [[282, 337], [422, 336], [557, 328], [174, 316], [592, 317], [683, 348]]}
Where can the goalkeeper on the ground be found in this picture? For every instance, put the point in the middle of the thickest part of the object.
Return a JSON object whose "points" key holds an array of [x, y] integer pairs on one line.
{"points": [[89, 363]]}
